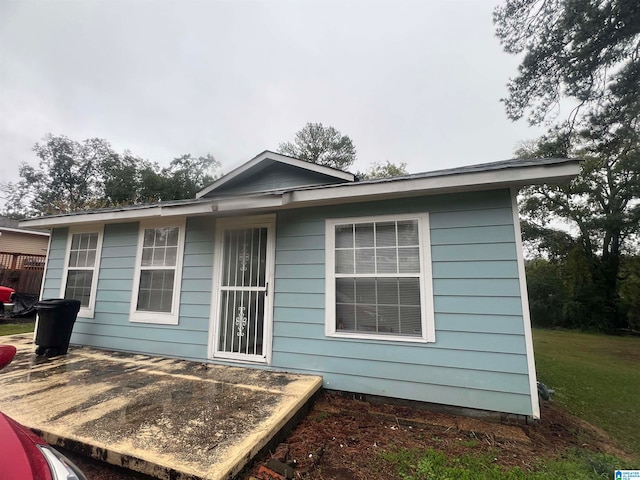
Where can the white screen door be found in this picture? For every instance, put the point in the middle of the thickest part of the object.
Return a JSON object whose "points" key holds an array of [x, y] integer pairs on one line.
{"points": [[244, 306]]}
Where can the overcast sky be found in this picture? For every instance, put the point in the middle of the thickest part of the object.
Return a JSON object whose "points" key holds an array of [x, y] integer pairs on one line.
{"points": [[417, 82]]}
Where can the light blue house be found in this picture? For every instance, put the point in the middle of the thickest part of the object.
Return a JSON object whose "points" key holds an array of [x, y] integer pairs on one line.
{"points": [[411, 287]]}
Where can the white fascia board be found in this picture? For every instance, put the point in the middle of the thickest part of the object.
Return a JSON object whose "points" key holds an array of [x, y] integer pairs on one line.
{"points": [[326, 195], [278, 158], [439, 184], [159, 211], [23, 231]]}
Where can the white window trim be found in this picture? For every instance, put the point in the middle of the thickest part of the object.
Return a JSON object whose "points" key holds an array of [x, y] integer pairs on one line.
{"points": [[164, 318], [426, 303], [85, 312]]}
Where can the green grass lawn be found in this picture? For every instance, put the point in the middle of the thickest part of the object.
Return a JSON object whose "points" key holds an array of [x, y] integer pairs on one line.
{"points": [[596, 377], [13, 328]]}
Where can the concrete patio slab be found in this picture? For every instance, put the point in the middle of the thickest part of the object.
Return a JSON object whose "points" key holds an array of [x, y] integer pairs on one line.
{"points": [[169, 418]]}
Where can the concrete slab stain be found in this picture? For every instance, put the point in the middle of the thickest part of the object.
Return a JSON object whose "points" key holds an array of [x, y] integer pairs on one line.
{"points": [[172, 419]]}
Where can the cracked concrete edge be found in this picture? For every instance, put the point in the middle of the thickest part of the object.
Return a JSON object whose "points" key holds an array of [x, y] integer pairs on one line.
{"points": [[259, 439], [113, 457], [229, 469]]}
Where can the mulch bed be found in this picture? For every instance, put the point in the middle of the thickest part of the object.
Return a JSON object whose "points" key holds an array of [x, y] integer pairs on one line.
{"points": [[342, 438]]}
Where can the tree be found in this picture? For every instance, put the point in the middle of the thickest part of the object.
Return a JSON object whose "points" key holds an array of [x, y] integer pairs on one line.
{"points": [[326, 146], [586, 50], [186, 175], [602, 205], [383, 170], [73, 176], [547, 292]]}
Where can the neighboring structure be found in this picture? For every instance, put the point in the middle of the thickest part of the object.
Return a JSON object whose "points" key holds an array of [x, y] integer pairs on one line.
{"points": [[22, 256], [411, 287], [21, 247]]}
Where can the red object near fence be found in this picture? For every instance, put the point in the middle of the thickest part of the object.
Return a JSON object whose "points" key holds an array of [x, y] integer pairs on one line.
{"points": [[5, 294]]}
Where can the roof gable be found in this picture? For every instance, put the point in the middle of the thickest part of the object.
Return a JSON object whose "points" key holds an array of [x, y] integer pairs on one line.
{"points": [[270, 171]]}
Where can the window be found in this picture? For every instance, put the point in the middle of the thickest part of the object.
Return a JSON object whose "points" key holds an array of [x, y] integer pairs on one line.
{"points": [[378, 278], [156, 291], [80, 276]]}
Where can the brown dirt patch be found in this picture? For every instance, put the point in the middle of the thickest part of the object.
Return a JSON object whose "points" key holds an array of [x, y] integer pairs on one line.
{"points": [[341, 438]]}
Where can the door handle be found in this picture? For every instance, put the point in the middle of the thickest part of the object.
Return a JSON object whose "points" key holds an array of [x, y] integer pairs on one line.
{"points": [[266, 290]]}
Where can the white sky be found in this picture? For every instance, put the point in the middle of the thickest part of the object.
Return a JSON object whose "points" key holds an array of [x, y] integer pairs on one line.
{"points": [[409, 81]]}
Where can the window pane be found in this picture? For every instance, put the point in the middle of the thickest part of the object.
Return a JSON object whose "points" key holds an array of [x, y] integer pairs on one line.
{"points": [[366, 318], [93, 241], [364, 235], [156, 290], [75, 241], [344, 261], [388, 291], [158, 257], [144, 300], [410, 291], [365, 260], [345, 290], [91, 258], [365, 291], [345, 317], [388, 320], [372, 303], [386, 260], [149, 235], [157, 279], [386, 234], [408, 233], [344, 236], [160, 237], [409, 261], [82, 258], [410, 323], [84, 241], [170, 256], [172, 236], [79, 286], [73, 259], [145, 280], [147, 256]]}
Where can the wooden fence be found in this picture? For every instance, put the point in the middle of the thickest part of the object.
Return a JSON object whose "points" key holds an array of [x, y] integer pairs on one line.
{"points": [[21, 272]]}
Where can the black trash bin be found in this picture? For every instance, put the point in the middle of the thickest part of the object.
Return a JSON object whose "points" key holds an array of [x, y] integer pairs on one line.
{"points": [[56, 319]]}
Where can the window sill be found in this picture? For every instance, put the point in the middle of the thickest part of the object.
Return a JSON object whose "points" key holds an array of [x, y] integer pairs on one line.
{"points": [[379, 338], [154, 317], [86, 313]]}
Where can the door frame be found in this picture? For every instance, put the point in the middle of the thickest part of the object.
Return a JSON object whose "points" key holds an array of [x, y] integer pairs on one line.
{"points": [[253, 221]]}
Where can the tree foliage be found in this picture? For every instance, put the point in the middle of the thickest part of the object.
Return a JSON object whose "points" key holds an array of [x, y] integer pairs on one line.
{"points": [[326, 146], [383, 170], [586, 50], [602, 208], [74, 175]]}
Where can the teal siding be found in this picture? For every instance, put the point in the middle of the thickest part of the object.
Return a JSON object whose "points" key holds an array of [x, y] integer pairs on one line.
{"points": [[110, 328], [478, 359], [55, 263], [276, 177]]}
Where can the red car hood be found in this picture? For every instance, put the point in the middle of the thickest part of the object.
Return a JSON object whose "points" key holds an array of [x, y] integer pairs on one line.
{"points": [[16, 442]]}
